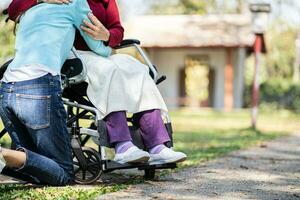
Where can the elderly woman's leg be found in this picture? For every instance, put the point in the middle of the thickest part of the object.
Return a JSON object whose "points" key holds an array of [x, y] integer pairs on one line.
{"points": [[117, 127], [120, 138], [155, 135], [153, 129]]}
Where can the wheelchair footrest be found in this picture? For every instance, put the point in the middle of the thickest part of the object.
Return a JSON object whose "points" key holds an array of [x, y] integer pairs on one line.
{"points": [[162, 166], [113, 165]]}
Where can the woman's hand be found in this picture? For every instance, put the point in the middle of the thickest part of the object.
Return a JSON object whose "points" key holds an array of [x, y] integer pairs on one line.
{"points": [[96, 29], [56, 1]]}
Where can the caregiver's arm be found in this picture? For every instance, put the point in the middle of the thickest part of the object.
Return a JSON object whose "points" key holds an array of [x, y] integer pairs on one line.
{"points": [[97, 46], [95, 29], [112, 33], [17, 7], [114, 25]]}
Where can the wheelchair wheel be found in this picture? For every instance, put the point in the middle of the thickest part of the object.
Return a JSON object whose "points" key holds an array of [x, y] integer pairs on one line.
{"points": [[93, 170], [149, 174]]}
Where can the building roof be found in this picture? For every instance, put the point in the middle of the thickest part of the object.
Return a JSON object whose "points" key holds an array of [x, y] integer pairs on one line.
{"points": [[175, 31]]}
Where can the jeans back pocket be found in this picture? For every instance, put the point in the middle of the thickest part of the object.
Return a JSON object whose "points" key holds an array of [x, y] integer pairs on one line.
{"points": [[34, 110]]}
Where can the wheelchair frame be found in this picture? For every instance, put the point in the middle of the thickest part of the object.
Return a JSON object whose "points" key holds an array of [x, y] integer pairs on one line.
{"points": [[89, 164]]}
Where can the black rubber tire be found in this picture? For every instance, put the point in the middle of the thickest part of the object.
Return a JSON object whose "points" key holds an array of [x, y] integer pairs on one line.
{"points": [[149, 174], [93, 172]]}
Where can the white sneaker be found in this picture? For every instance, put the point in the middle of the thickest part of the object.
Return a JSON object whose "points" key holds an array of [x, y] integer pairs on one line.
{"points": [[166, 155], [2, 161], [132, 155]]}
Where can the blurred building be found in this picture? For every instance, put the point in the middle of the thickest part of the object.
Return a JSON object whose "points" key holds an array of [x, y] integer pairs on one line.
{"points": [[203, 57]]}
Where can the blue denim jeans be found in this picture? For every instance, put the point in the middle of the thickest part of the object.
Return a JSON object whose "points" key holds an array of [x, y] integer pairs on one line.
{"points": [[34, 115]]}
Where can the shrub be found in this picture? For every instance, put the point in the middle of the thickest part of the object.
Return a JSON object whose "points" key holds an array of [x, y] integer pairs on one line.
{"points": [[278, 93]]}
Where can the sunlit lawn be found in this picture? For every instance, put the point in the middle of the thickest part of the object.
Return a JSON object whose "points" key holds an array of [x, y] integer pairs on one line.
{"points": [[206, 134], [202, 134]]}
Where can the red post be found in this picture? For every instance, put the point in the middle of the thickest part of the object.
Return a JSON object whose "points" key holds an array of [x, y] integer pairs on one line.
{"points": [[255, 89]]}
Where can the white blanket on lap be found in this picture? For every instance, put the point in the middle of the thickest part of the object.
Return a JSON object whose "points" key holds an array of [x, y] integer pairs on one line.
{"points": [[120, 83]]}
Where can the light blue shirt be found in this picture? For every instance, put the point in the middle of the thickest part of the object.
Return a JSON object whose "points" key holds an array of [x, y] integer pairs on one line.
{"points": [[46, 35]]}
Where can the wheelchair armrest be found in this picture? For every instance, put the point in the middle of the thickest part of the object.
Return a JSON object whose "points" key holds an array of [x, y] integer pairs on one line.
{"points": [[5, 12], [127, 43], [136, 44], [4, 67]]}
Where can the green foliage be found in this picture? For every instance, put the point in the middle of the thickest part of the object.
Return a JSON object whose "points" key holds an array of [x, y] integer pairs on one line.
{"points": [[7, 40], [281, 93], [196, 6], [181, 7], [5, 140], [280, 58], [276, 94], [276, 70], [12, 192]]}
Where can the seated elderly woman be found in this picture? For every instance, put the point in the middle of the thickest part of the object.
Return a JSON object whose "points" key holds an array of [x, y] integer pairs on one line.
{"points": [[119, 84]]}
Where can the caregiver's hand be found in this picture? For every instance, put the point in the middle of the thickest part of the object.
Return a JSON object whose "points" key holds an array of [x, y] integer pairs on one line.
{"points": [[57, 1], [96, 29]]}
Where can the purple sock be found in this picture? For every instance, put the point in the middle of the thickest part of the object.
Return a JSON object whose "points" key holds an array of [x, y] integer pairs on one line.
{"points": [[157, 149], [121, 147]]}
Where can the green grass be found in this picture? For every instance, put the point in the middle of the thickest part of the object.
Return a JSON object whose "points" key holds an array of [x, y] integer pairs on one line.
{"points": [[202, 134], [207, 134], [208, 144], [60, 193]]}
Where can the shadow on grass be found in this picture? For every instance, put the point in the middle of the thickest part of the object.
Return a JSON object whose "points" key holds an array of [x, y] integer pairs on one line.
{"points": [[11, 188], [109, 183], [12, 192], [202, 146]]}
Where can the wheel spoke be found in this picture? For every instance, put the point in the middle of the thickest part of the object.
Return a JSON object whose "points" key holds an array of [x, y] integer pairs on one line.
{"points": [[83, 174], [75, 163], [94, 159], [93, 173], [93, 164], [76, 170], [85, 153], [88, 156]]}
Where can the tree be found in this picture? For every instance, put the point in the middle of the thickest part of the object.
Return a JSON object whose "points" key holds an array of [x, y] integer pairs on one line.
{"points": [[196, 6], [181, 7], [7, 40], [278, 63], [281, 50]]}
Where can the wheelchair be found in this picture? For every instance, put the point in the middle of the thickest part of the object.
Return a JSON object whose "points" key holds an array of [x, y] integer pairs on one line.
{"points": [[90, 163]]}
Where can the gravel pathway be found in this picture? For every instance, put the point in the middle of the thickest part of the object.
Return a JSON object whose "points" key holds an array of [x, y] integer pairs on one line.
{"points": [[268, 172]]}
